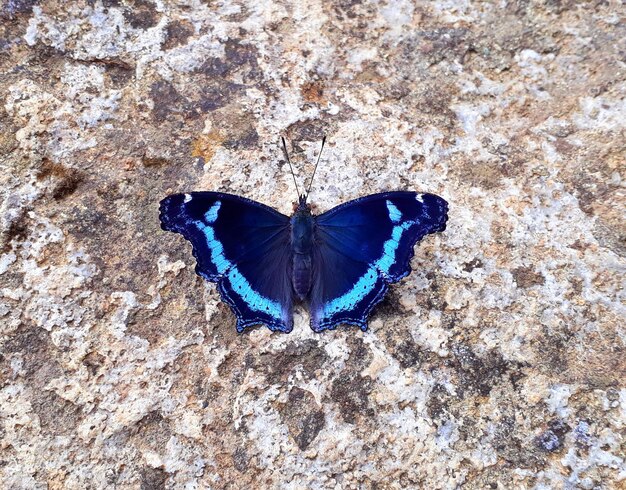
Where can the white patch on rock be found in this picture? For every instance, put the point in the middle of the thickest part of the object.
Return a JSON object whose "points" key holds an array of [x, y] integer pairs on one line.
{"points": [[338, 350], [557, 401], [6, 260]]}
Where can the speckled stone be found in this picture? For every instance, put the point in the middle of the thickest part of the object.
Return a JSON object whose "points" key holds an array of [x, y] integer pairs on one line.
{"points": [[499, 363]]}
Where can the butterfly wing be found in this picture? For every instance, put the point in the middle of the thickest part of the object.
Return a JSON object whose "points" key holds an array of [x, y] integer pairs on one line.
{"points": [[241, 245], [361, 247]]}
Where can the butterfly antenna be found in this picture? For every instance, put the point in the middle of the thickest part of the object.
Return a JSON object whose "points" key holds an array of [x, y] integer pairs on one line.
{"points": [[319, 155], [290, 167]]}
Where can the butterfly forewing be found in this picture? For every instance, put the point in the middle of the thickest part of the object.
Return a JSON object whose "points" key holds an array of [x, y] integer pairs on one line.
{"points": [[361, 247], [242, 245]]}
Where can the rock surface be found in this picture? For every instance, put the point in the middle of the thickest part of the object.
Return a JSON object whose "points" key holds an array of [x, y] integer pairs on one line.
{"points": [[499, 363]]}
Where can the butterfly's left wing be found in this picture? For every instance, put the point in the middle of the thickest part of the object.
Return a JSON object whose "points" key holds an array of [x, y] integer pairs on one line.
{"points": [[244, 247], [361, 247]]}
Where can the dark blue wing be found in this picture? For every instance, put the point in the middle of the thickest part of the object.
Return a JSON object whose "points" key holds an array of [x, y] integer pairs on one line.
{"points": [[244, 247], [361, 247]]}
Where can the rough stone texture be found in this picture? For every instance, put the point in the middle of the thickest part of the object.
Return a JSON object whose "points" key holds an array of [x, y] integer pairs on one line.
{"points": [[499, 363]]}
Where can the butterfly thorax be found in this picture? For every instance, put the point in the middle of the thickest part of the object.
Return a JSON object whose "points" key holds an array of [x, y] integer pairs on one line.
{"points": [[301, 246]]}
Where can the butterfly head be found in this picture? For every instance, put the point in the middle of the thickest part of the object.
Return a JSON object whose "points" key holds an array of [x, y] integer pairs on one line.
{"points": [[302, 206]]}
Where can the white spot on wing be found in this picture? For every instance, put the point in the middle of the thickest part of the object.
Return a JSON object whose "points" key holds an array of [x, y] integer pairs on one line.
{"points": [[419, 198], [187, 197]]}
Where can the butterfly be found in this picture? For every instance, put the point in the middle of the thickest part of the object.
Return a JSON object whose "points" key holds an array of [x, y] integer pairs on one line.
{"points": [[340, 262]]}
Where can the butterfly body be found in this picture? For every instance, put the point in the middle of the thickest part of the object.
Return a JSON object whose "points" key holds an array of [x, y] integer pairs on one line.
{"points": [[340, 262], [302, 230]]}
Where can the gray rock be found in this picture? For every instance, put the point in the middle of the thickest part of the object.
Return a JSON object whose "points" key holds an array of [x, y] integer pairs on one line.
{"points": [[498, 363]]}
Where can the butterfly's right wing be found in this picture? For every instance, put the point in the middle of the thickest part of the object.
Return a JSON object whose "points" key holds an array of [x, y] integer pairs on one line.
{"points": [[242, 245], [362, 246]]}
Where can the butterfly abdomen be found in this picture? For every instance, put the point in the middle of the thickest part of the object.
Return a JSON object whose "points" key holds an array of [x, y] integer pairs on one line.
{"points": [[302, 248], [302, 275]]}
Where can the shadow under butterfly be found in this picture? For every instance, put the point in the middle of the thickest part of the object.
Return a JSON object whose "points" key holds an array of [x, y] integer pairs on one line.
{"points": [[340, 262]]}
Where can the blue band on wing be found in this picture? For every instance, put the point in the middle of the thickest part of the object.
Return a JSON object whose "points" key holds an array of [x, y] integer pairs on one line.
{"points": [[362, 288], [254, 300], [220, 262], [394, 213], [390, 247], [211, 215], [239, 284]]}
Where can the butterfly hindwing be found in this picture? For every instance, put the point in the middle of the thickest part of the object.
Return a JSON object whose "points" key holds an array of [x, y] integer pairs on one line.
{"points": [[242, 245], [361, 247]]}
